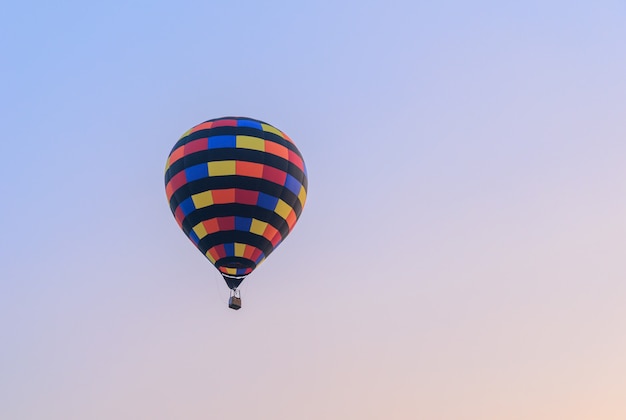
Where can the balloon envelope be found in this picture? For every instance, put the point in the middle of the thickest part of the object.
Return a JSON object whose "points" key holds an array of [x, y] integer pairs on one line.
{"points": [[236, 187]]}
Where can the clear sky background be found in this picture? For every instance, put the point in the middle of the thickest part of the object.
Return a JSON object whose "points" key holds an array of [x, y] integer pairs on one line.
{"points": [[462, 254]]}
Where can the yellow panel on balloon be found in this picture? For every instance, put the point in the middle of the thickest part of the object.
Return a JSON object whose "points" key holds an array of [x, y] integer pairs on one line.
{"points": [[302, 196], [270, 129], [282, 209], [249, 142], [203, 199], [200, 230], [240, 249], [258, 227], [222, 168]]}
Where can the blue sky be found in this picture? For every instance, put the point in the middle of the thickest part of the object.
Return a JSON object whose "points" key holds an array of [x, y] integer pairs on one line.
{"points": [[461, 254]]}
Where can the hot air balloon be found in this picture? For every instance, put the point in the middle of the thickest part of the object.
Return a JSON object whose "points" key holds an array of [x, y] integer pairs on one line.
{"points": [[236, 187]]}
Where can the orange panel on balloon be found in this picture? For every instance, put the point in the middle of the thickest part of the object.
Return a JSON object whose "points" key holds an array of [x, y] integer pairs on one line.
{"points": [[203, 126], [277, 149], [292, 219], [249, 252], [177, 154], [226, 196], [211, 226], [251, 169]]}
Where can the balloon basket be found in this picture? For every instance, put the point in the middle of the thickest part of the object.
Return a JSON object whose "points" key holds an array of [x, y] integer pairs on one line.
{"points": [[234, 302]]}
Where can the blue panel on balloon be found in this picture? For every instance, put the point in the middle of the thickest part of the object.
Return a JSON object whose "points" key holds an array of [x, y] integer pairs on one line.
{"points": [[220, 142], [187, 206], [267, 201], [194, 238], [230, 250], [243, 223], [197, 172], [293, 184], [249, 123]]}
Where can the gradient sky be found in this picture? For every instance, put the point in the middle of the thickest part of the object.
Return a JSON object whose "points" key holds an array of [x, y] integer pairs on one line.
{"points": [[462, 254]]}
